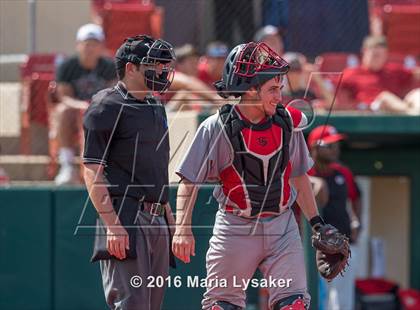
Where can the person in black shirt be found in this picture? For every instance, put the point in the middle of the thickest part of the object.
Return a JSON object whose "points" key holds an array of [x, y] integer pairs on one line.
{"points": [[126, 159], [78, 78]]}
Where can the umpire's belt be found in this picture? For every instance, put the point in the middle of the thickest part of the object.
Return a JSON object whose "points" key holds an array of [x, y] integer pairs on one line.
{"points": [[154, 208]]}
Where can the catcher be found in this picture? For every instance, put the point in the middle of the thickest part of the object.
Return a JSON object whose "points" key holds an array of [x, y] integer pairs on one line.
{"points": [[254, 150]]}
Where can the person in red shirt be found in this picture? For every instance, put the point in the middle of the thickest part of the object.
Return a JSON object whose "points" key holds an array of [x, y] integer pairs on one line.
{"points": [[377, 85]]}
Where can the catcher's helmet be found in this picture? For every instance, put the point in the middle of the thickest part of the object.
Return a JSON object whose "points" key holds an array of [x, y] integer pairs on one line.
{"points": [[249, 65], [144, 50]]}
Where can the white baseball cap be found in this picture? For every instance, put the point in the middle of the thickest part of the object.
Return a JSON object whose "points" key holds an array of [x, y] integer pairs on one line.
{"points": [[90, 32], [266, 31]]}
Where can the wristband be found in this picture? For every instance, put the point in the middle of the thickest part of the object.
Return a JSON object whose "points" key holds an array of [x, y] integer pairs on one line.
{"points": [[106, 212], [355, 224], [316, 220]]}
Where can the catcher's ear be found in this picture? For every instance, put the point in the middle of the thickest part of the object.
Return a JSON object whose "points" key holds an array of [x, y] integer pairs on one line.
{"points": [[252, 92]]}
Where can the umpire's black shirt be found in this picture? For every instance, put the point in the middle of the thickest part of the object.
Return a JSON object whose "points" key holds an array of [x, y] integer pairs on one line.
{"points": [[129, 137]]}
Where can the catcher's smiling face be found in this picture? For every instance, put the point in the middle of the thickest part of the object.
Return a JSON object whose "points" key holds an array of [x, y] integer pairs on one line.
{"points": [[260, 102], [269, 95]]}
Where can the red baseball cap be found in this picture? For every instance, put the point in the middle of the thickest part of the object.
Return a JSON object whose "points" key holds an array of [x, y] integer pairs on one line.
{"points": [[325, 134]]}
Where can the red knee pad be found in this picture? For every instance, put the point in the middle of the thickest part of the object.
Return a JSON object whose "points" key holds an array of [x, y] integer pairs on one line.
{"points": [[298, 304], [294, 302], [223, 305]]}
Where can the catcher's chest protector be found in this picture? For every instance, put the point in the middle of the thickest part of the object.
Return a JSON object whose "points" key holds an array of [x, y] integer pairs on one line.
{"points": [[256, 180]]}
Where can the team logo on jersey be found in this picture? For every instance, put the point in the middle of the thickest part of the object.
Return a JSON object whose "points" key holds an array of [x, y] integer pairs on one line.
{"points": [[262, 141]]}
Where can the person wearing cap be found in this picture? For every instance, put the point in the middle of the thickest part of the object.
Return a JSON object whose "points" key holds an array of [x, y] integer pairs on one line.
{"points": [[324, 146], [377, 85], [126, 158], [300, 74], [211, 65], [187, 59], [187, 91], [78, 78], [271, 36]]}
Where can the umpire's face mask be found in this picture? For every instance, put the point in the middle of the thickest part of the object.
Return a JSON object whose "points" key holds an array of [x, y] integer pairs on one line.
{"points": [[158, 77], [159, 66]]}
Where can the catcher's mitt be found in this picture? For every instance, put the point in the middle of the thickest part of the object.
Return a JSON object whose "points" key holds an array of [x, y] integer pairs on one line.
{"points": [[332, 250]]}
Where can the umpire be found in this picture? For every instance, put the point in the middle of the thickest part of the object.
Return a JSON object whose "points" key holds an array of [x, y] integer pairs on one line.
{"points": [[126, 158]]}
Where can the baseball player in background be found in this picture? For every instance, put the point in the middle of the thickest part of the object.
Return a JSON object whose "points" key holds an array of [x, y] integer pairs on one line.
{"points": [[257, 154], [323, 142]]}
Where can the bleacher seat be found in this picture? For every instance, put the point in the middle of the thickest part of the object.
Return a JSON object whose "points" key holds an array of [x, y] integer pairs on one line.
{"points": [[332, 64], [122, 20], [40, 63], [337, 62], [36, 74], [407, 61], [401, 25], [98, 5]]}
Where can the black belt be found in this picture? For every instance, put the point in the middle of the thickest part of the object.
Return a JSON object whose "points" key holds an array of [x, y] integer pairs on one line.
{"points": [[153, 208]]}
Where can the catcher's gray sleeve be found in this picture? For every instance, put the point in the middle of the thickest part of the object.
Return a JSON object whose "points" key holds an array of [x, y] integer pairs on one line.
{"points": [[300, 158], [206, 154]]}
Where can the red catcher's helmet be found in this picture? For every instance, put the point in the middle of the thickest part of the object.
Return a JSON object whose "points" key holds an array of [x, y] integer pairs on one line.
{"points": [[249, 65]]}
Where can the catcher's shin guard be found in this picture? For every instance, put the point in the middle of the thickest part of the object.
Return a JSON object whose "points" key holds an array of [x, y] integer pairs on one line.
{"points": [[224, 305], [294, 302]]}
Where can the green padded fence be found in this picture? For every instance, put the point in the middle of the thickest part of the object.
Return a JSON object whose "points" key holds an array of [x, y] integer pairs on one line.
{"points": [[46, 246], [45, 265], [26, 229]]}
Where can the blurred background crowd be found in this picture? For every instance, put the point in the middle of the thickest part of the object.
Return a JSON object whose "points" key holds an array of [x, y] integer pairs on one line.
{"points": [[355, 56]]}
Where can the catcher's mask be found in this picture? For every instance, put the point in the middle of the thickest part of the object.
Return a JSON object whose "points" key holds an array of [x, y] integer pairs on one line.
{"points": [[144, 50], [249, 65]]}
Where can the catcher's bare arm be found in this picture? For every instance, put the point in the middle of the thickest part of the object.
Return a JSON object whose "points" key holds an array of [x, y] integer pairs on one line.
{"points": [[183, 243], [305, 196]]}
